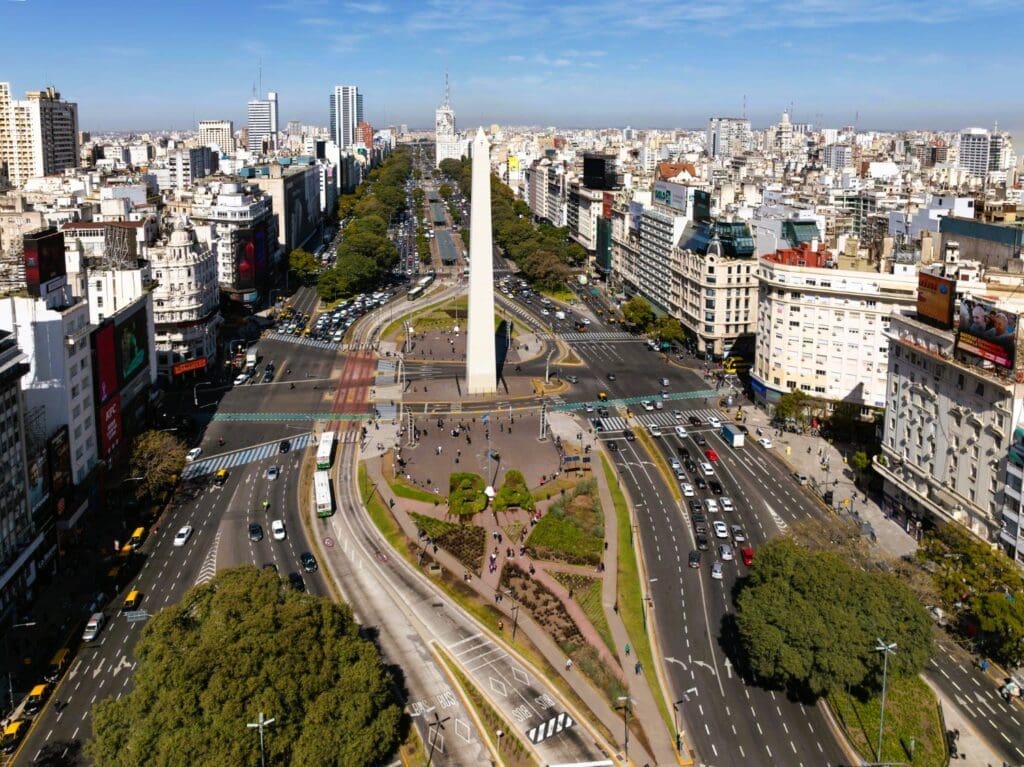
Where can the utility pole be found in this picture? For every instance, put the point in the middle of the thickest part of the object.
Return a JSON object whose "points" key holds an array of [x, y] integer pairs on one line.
{"points": [[886, 650], [624, 701], [259, 724]]}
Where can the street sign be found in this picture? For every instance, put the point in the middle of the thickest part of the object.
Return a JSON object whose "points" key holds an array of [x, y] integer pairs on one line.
{"points": [[136, 616]]}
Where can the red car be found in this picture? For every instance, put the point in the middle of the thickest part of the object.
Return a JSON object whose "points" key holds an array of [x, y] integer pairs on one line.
{"points": [[711, 454], [748, 555]]}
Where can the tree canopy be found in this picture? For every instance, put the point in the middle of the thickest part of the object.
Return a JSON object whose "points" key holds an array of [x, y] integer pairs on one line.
{"points": [[157, 460], [793, 404], [668, 329], [243, 643], [636, 311], [303, 263], [809, 622]]}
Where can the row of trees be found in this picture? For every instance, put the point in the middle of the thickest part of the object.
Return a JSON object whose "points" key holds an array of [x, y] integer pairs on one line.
{"points": [[366, 256], [545, 254], [638, 313]]}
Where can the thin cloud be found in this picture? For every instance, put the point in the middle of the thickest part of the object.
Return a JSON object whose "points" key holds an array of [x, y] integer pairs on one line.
{"points": [[374, 8]]}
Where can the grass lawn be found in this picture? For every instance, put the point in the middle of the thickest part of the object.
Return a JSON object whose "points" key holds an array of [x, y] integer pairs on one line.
{"points": [[572, 530], [551, 489], [587, 593], [379, 513], [631, 603], [403, 489], [911, 714], [565, 296]]}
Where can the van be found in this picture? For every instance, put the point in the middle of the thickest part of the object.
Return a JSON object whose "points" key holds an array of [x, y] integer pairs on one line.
{"points": [[36, 698], [131, 601], [13, 733], [58, 663], [221, 476], [137, 536], [559, 315]]}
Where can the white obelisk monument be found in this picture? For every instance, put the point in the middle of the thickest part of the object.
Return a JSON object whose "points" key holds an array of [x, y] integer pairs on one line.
{"points": [[481, 362]]}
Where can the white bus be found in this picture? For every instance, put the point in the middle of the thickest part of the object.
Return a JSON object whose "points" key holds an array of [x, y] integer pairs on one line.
{"points": [[325, 452], [322, 491], [415, 293]]}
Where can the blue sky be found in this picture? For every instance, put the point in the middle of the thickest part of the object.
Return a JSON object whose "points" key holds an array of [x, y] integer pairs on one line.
{"points": [[665, 63]]}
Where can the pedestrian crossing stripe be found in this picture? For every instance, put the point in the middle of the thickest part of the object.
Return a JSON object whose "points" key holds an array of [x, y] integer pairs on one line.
{"points": [[672, 396], [325, 416], [303, 341], [667, 420], [552, 726], [241, 457], [601, 336]]}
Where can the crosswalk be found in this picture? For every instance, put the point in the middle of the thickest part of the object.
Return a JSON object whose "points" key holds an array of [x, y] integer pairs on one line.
{"points": [[663, 418], [602, 335], [302, 341], [552, 726], [241, 457]]}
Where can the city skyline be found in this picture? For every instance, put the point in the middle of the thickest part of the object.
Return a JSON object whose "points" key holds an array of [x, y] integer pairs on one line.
{"points": [[897, 68]]}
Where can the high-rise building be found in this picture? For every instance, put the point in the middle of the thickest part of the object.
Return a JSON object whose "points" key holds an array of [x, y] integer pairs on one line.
{"points": [[728, 136], [346, 114], [217, 133], [974, 151], [262, 119], [445, 136], [38, 136]]}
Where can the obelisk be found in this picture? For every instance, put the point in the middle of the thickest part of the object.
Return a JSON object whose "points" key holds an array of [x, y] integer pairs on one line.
{"points": [[481, 357]]}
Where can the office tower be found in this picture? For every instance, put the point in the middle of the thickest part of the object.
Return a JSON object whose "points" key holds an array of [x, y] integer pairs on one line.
{"points": [[219, 133], [445, 136], [974, 151], [728, 136], [38, 136], [346, 114], [263, 123], [481, 359]]}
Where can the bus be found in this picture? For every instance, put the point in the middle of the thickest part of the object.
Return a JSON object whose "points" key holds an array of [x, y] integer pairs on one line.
{"points": [[322, 491], [414, 293], [325, 451], [425, 282]]}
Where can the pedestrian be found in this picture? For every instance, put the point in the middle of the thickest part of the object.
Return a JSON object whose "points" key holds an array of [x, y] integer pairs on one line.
{"points": [[615, 608], [568, 664], [570, 593], [606, 545], [501, 625], [628, 648], [637, 668]]}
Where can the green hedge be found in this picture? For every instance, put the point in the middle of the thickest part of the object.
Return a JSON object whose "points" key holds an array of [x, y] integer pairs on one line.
{"points": [[514, 493], [466, 494]]}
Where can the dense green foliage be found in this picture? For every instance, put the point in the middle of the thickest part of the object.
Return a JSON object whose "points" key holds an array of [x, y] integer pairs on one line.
{"points": [[809, 622], [544, 254], [243, 643], [513, 493], [636, 311], [466, 494], [572, 530], [157, 460], [303, 264], [668, 329], [794, 405], [366, 255]]}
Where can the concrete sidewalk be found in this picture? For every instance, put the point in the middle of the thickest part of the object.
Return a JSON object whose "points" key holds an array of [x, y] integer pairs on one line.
{"points": [[971, 748]]}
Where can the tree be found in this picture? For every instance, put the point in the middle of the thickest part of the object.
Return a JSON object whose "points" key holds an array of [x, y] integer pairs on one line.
{"points": [[636, 311], [332, 285], [157, 458], [243, 643], [668, 329], [793, 405], [860, 462], [303, 263], [445, 191], [1001, 620], [808, 622]]}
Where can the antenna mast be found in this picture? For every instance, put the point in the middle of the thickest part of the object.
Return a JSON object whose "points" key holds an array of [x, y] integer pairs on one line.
{"points": [[447, 102], [261, 74]]}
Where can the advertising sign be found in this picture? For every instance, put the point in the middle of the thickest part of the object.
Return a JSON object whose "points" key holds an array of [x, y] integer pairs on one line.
{"points": [[606, 205], [131, 342], [674, 196], [104, 362], [44, 259], [58, 450], [935, 299], [987, 332], [38, 481], [110, 426], [188, 366], [701, 205], [245, 259]]}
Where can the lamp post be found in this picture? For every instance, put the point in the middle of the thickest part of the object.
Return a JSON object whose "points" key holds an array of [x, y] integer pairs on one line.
{"points": [[259, 724], [678, 716], [624, 701], [886, 650]]}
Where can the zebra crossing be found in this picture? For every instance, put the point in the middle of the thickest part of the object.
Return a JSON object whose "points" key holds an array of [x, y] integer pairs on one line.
{"points": [[302, 341], [660, 418], [601, 335], [386, 411], [552, 726], [241, 457]]}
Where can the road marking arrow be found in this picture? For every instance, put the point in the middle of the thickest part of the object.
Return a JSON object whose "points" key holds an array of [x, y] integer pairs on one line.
{"points": [[676, 660], [706, 665], [728, 668]]}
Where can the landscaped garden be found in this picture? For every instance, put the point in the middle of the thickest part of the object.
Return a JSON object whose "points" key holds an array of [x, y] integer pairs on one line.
{"points": [[466, 494], [572, 530]]}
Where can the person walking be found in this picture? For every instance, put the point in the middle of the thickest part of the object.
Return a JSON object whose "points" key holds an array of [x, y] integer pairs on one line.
{"points": [[628, 648]]}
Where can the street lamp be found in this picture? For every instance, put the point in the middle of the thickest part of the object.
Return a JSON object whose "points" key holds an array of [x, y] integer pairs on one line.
{"points": [[678, 715], [259, 724], [624, 701], [886, 650]]}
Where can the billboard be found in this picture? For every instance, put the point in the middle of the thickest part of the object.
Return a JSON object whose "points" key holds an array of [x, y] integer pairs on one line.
{"points": [[188, 366], [935, 299], [245, 260], [674, 196], [701, 205], [38, 481], [131, 343], [104, 362], [109, 426], [987, 332], [301, 206], [513, 164], [44, 259], [58, 451]]}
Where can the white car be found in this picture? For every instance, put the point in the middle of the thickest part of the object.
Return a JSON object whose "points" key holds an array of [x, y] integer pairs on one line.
{"points": [[194, 453], [680, 432], [707, 469], [716, 571], [725, 552], [278, 531], [687, 490], [765, 443], [586, 321], [711, 505], [721, 530], [94, 627], [241, 379], [726, 502], [273, 472], [714, 423], [654, 429], [647, 405], [182, 536], [677, 414]]}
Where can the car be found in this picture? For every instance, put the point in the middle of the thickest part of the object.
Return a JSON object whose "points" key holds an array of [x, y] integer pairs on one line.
{"points": [[663, 381], [694, 559], [702, 542], [701, 442], [707, 469], [674, 463], [712, 505], [726, 502], [182, 536], [716, 570], [677, 414], [647, 405], [725, 552], [585, 321], [589, 408], [681, 432], [690, 465], [572, 379], [296, 581], [711, 454], [721, 529], [308, 562], [716, 486], [696, 504], [613, 446], [765, 442], [241, 379], [277, 530], [94, 626], [194, 453], [714, 422], [695, 421], [654, 429], [687, 490], [747, 554], [658, 404], [629, 435], [700, 482], [698, 518], [737, 534], [603, 412], [255, 532], [273, 472], [285, 446]]}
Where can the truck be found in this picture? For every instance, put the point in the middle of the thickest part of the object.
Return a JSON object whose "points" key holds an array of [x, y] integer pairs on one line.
{"points": [[250, 359], [732, 435]]}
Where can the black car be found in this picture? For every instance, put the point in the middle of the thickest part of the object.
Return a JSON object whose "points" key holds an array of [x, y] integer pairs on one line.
{"points": [[603, 412], [696, 504], [743, 428], [296, 582], [698, 518], [613, 446], [694, 558], [308, 562], [700, 483], [285, 446], [716, 486], [629, 435], [695, 421], [255, 532], [702, 542], [699, 439], [685, 454]]}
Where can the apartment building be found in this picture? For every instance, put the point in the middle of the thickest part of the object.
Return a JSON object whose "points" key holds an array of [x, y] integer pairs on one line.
{"points": [[38, 135]]}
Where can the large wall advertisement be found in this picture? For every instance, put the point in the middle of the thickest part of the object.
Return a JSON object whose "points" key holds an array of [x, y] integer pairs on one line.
{"points": [[58, 451], [701, 205], [674, 196], [251, 257], [43, 258], [104, 362], [987, 332], [935, 299], [109, 426], [301, 206], [131, 342]]}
